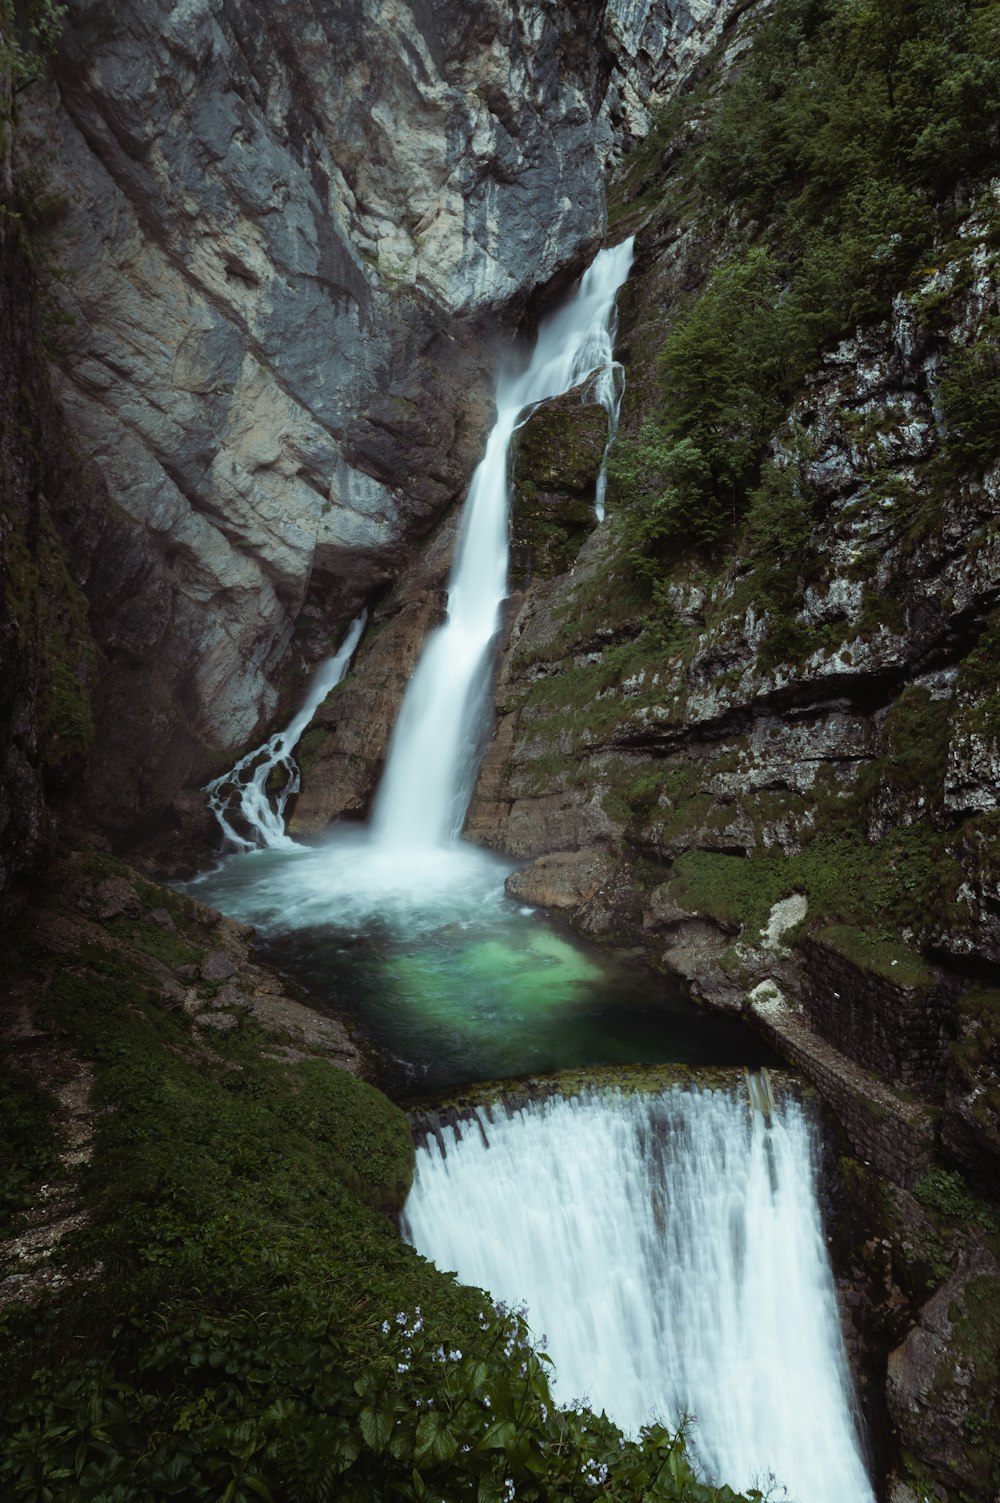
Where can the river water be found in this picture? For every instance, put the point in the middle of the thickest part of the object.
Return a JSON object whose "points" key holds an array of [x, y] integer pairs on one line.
{"points": [[671, 1245]]}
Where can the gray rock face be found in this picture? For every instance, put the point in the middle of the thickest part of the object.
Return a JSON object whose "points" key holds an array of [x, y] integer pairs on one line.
{"points": [[293, 240], [566, 879], [655, 44], [941, 1388]]}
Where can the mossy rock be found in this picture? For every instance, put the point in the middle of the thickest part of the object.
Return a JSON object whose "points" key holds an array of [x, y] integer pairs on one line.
{"points": [[557, 458], [428, 1114], [561, 446], [888, 959], [944, 1384]]}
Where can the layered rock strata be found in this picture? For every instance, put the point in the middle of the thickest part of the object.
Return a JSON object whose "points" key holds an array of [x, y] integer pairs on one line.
{"points": [[288, 248]]}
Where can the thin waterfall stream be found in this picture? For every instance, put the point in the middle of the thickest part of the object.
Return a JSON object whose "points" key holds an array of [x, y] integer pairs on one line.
{"points": [[672, 1246], [243, 790]]}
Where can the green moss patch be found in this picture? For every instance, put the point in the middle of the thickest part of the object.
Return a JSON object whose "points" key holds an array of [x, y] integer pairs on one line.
{"points": [[946, 1193], [863, 895], [889, 959], [30, 1146]]}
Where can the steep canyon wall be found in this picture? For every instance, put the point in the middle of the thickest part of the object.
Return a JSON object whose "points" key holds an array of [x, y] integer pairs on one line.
{"points": [[290, 244]]}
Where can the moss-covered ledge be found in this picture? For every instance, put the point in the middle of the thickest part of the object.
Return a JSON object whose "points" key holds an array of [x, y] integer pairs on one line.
{"points": [[428, 1116]]}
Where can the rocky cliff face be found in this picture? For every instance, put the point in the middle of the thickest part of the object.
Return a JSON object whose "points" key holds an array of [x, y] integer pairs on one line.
{"points": [[77, 592], [793, 802], [292, 243], [789, 795]]}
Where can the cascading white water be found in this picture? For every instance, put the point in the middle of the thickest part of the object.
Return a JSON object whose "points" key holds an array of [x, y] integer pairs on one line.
{"points": [[244, 787], [672, 1248], [608, 389], [432, 755]]}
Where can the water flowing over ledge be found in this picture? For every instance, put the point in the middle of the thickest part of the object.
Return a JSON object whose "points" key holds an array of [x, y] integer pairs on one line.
{"points": [[433, 755], [672, 1248]]}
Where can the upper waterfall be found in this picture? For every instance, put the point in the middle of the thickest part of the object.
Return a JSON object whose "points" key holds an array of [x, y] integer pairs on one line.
{"points": [[432, 759]]}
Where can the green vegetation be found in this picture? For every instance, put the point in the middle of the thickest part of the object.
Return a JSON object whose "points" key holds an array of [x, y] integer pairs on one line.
{"points": [[241, 1319], [969, 392], [947, 1193], [29, 1142], [28, 33], [827, 168], [870, 952], [914, 748], [978, 710], [723, 378], [865, 895]]}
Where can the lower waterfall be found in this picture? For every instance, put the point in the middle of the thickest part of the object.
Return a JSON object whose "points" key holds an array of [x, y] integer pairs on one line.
{"points": [[672, 1248]]}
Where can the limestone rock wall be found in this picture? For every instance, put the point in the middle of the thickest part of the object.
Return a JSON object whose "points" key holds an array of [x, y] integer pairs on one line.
{"points": [[672, 766], [292, 241], [24, 819]]}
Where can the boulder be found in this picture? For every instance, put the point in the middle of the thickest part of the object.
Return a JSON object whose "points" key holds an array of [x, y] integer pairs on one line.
{"points": [[564, 879]]}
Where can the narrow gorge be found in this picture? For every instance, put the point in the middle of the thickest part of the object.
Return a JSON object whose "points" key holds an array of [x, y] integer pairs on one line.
{"points": [[499, 757]]}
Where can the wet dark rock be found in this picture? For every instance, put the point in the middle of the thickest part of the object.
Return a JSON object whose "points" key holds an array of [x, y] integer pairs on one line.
{"points": [[556, 459], [943, 1379], [217, 966], [285, 305], [221, 1022], [115, 897], [565, 879]]}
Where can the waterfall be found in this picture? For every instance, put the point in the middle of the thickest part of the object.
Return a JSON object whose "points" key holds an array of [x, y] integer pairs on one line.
{"points": [[672, 1248], [243, 789], [432, 757], [608, 389]]}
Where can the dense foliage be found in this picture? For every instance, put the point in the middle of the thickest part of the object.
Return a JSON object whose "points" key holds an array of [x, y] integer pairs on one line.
{"points": [[830, 164], [29, 1143], [29, 31], [241, 1320]]}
